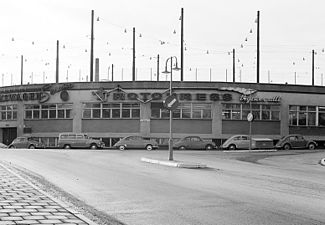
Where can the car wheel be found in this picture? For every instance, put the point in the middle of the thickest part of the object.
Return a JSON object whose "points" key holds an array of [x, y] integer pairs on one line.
{"points": [[286, 147], [311, 146], [121, 147], [149, 147], [232, 147], [209, 147], [182, 148], [93, 146], [67, 147], [31, 147]]}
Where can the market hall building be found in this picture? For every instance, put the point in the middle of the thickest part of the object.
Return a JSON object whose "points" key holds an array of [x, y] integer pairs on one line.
{"points": [[112, 110]]}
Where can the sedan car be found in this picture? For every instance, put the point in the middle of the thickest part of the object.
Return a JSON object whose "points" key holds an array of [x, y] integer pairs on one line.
{"points": [[3, 145], [295, 141], [136, 142], [193, 142], [242, 142], [26, 142]]}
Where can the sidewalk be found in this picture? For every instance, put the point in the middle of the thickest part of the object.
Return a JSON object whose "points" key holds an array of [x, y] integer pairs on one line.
{"points": [[23, 203]]}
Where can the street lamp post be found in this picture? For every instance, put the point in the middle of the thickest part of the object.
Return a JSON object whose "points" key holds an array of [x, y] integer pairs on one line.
{"points": [[170, 141]]}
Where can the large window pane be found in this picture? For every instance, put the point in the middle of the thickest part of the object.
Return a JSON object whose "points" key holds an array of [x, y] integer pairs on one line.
{"points": [[45, 114], [96, 113], [116, 113], [126, 113], [321, 119], [87, 113], [311, 118], [302, 119], [293, 118], [60, 113], [106, 113]]}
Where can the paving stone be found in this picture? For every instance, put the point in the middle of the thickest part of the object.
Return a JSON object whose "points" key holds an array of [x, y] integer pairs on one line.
{"points": [[27, 222], [21, 203], [11, 218], [19, 214], [51, 221], [6, 222]]}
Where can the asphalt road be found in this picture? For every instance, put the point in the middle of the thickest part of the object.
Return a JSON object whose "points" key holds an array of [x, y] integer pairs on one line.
{"points": [[286, 187]]}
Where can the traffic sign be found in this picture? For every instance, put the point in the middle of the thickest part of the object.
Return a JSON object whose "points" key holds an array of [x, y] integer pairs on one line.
{"points": [[171, 102], [250, 117]]}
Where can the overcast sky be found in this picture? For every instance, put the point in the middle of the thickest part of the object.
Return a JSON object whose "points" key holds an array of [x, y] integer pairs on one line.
{"points": [[289, 31]]}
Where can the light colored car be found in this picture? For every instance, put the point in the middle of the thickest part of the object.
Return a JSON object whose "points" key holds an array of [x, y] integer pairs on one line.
{"points": [[78, 140], [136, 142], [193, 142], [295, 141], [242, 142], [26, 142], [2, 145]]}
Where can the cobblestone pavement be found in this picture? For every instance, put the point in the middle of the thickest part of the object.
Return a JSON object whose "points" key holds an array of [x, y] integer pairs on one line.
{"points": [[23, 203]]}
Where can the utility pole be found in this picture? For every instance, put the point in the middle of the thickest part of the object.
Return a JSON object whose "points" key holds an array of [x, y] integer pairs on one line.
{"points": [[112, 72], [258, 49], [133, 58], [22, 70], [313, 68], [92, 47], [57, 63], [233, 66], [158, 67], [182, 43], [226, 75]]}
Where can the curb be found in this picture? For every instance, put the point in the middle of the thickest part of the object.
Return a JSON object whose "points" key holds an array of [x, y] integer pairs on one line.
{"points": [[59, 202], [179, 164], [268, 150]]}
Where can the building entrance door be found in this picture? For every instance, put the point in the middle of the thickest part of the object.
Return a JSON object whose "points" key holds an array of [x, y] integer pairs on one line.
{"points": [[9, 134]]}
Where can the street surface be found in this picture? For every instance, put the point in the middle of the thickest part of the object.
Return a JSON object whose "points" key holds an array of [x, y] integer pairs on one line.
{"points": [[260, 188]]}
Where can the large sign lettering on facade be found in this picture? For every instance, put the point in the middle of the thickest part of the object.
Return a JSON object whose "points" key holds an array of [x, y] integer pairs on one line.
{"points": [[26, 96], [145, 97], [248, 99], [36, 94]]}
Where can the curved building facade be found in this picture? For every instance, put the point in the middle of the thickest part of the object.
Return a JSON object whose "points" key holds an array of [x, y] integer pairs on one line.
{"points": [[111, 110]]}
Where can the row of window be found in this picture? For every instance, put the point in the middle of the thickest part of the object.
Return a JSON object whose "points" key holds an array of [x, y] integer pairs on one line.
{"points": [[306, 115], [8, 112], [298, 115], [259, 111], [183, 111], [110, 110], [48, 111]]}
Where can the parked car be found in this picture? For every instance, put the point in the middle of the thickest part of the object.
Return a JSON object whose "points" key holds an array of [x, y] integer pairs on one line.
{"points": [[78, 140], [193, 142], [242, 142], [136, 142], [2, 145], [26, 142], [295, 141]]}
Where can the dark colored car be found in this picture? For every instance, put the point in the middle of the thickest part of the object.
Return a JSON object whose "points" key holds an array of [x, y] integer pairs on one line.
{"points": [[193, 142], [136, 142], [295, 141], [26, 142]]}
